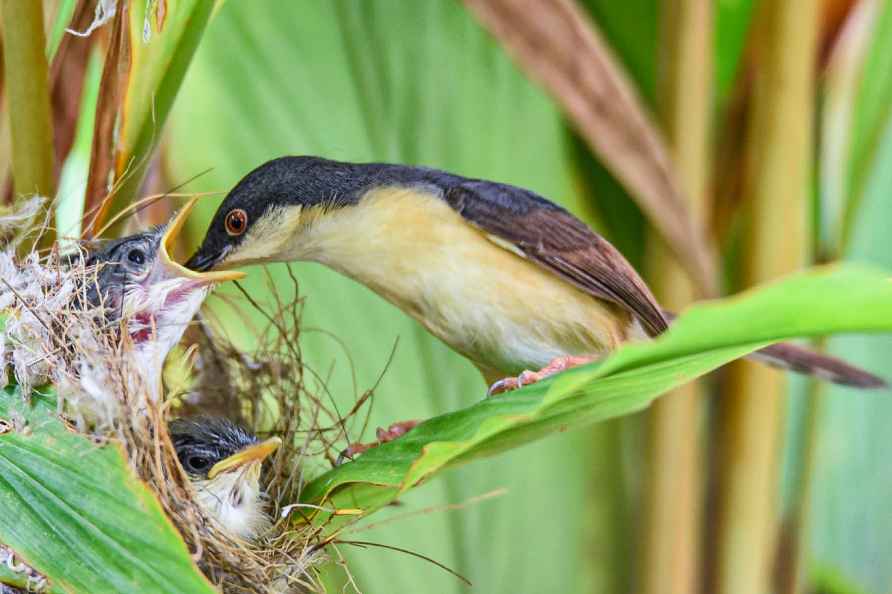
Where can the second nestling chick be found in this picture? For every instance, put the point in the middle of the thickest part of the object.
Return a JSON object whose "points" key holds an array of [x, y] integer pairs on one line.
{"points": [[223, 462]]}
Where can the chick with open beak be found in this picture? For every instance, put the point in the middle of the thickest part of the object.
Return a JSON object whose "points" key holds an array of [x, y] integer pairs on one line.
{"points": [[138, 282], [223, 463]]}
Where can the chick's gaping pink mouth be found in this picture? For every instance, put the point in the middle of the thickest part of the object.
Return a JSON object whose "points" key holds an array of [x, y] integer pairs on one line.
{"points": [[146, 320], [145, 329]]}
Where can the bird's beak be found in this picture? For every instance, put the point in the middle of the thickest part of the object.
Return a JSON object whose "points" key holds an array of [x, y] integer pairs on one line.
{"points": [[178, 270], [253, 454]]}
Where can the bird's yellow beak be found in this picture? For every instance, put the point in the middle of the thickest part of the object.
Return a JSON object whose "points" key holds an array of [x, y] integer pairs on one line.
{"points": [[255, 453], [176, 269]]}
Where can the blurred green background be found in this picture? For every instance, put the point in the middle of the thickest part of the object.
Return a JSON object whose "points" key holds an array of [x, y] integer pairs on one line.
{"points": [[778, 118], [423, 83], [419, 83]]}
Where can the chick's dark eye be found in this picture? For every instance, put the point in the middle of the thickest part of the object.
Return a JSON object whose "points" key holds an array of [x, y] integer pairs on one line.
{"points": [[236, 222], [136, 256], [197, 463]]}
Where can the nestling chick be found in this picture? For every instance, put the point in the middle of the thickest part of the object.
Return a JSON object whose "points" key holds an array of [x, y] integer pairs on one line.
{"points": [[223, 462], [136, 280]]}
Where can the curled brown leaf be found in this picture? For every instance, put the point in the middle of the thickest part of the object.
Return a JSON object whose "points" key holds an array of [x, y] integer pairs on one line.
{"points": [[554, 42], [111, 94]]}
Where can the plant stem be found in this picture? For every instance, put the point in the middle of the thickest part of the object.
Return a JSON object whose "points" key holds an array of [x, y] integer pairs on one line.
{"points": [[791, 571], [671, 538], [779, 154], [28, 99]]}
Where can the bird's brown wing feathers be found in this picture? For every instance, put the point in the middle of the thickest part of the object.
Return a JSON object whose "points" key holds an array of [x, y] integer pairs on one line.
{"points": [[559, 242]]}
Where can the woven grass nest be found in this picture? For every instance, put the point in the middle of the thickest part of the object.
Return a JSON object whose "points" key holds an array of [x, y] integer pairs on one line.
{"points": [[52, 336]]}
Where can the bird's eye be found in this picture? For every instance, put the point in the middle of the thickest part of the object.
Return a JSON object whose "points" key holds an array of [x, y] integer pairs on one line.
{"points": [[136, 256], [198, 463], [236, 221]]}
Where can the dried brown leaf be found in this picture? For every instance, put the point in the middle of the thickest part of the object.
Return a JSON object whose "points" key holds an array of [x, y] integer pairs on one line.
{"points": [[67, 81], [558, 45], [112, 88]]}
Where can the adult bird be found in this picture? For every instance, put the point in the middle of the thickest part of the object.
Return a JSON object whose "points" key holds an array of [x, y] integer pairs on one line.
{"points": [[135, 281], [223, 462], [505, 277]]}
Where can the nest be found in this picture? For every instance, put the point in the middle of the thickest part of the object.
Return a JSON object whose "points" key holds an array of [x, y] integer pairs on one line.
{"points": [[51, 337]]}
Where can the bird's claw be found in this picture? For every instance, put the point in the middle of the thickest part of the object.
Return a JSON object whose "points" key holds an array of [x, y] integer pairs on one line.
{"points": [[395, 430], [531, 377], [513, 383], [382, 436], [351, 451]]}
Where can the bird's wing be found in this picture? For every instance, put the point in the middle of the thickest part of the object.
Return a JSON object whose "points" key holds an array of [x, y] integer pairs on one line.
{"points": [[556, 240]]}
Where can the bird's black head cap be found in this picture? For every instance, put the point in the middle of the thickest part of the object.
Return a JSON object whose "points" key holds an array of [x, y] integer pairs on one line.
{"points": [[287, 181], [201, 442]]}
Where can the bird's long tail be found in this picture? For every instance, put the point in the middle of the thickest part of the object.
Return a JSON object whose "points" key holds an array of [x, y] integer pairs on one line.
{"points": [[803, 360]]}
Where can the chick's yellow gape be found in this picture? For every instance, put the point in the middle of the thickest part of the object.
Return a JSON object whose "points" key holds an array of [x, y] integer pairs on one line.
{"points": [[503, 276]]}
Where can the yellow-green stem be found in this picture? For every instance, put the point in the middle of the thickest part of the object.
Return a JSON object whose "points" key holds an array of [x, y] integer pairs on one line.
{"points": [[791, 571], [670, 541], [27, 89], [779, 154]]}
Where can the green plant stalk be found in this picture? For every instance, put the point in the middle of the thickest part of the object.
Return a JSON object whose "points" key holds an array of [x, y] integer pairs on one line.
{"points": [[61, 21], [779, 153], [792, 574], [670, 540], [28, 100]]}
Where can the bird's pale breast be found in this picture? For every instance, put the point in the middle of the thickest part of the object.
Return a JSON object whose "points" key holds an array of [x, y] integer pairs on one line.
{"points": [[474, 292]]}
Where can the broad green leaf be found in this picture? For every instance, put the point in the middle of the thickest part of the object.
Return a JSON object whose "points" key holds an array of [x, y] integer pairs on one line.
{"points": [[81, 518], [707, 336], [851, 526], [418, 83]]}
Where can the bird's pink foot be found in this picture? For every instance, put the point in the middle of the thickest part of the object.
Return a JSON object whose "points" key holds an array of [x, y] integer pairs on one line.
{"points": [[382, 436], [531, 377]]}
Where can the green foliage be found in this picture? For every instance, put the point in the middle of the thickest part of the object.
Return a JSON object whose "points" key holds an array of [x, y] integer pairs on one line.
{"points": [[856, 184], [851, 526], [632, 29], [706, 337], [20, 580], [161, 49], [871, 113], [829, 580], [420, 83], [61, 21], [80, 517], [733, 18]]}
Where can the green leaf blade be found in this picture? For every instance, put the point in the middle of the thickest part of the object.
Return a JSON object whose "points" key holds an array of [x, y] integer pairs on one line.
{"points": [[82, 519], [853, 299]]}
